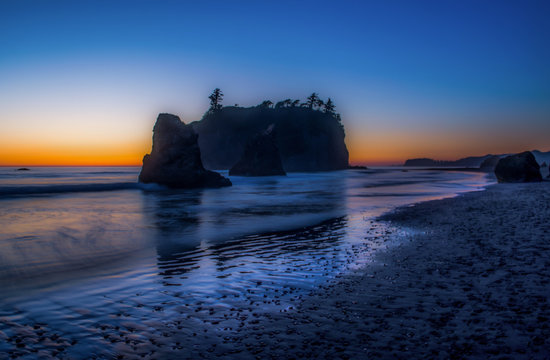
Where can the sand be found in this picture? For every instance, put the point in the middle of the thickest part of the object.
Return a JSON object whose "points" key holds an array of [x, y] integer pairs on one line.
{"points": [[470, 280], [467, 277]]}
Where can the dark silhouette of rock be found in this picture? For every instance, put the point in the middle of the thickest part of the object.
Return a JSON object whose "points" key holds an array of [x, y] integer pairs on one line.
{"points": [[23, 169], [472, 161], [489, 164], [260, 157], [357, 167], [175, 159], [521, 167], [308, 139]]}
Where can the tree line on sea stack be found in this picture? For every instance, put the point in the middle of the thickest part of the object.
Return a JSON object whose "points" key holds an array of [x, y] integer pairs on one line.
{"points": [[313, 102]]}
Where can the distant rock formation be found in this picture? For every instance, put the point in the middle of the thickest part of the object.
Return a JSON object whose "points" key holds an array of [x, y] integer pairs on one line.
{"points": [[521, 167], [23, 169], [420, 162], [489, 164], [308, 139], [472, 161], [175, 159], [260, 157]]}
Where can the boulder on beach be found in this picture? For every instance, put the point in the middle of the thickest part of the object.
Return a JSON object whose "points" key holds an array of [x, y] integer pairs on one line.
{"points": [[261, 157], [175, 159], [521, 167]]}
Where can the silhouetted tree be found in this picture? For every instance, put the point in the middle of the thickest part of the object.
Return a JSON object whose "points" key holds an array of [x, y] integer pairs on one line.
{"points": [[283, 104], [215, 100], [312, 100], [338, 118], [295, 103], [329, 107], [266, 104], [319, 104]]}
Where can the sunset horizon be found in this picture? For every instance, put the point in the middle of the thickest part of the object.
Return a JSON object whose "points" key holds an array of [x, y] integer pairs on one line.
{"points": [[281, 179], [71, 90]]}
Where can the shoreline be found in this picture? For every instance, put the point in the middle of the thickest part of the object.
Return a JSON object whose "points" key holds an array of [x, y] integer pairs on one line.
{"points": [[471, 281], [460, 277]]}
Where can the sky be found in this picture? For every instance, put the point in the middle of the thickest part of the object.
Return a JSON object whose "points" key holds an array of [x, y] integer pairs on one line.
{"points": [[81, 82]]}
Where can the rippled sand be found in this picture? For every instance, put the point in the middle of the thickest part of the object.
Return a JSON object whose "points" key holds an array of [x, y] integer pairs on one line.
{"points": [[471, 280], [247, 297]]}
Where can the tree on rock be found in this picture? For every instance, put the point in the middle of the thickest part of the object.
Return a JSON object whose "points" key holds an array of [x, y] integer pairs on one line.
{"points": [[329, 107], [266, 104], [319, 104], [283, 104], [312, 100], [215, 100]]}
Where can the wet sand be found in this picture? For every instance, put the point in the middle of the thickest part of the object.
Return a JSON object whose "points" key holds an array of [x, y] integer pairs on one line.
{"points": [[467, 277], [471, 280]]}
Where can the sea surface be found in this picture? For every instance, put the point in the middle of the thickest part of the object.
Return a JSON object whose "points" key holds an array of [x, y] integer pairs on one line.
{"points": [[90, 260]]}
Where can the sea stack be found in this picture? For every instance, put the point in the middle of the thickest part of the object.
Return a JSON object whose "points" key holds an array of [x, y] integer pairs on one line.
{"points": [[521, 167], [308, 140], [175, 159], [260, 157]]}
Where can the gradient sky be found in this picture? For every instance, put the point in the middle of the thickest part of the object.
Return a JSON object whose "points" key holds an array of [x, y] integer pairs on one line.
{"points": [[81, 82]]}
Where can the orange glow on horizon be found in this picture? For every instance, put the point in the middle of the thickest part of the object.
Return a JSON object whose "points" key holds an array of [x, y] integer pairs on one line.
{"points": [[126, 154], [364, 148], [395, 148]]}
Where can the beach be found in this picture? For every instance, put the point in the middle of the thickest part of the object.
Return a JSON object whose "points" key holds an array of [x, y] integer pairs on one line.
{"points": [[471, 279], [466, 276]]}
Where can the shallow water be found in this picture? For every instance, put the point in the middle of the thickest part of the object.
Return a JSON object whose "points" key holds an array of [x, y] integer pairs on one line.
{"points": [[90, 261]]}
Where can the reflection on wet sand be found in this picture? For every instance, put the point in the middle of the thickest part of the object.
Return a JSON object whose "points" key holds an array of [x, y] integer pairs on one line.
{"points": [[203, 231], [213, 258]]}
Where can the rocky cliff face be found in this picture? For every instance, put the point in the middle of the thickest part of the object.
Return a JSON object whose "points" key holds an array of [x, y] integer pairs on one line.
{"points": [[175, 158], [308, 140], [260, 157]]}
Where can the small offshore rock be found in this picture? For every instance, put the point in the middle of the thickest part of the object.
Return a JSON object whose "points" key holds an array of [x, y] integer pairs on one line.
{"points": [[516, 168]]}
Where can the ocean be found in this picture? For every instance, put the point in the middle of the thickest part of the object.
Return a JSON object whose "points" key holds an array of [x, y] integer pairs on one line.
{"points": [[88, 254]]}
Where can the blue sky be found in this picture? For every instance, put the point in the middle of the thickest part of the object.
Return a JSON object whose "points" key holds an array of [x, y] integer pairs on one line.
{"points": [[411, 78]]}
